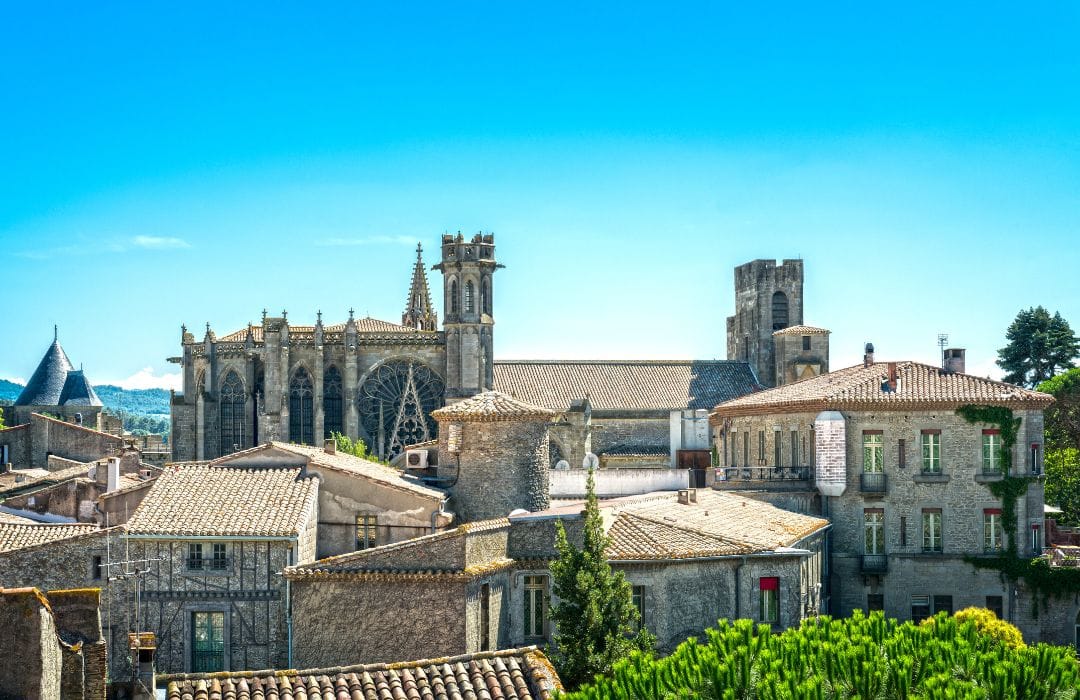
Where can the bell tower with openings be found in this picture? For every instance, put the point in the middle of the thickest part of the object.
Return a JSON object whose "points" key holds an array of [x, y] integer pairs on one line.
{"points": [[768, 298], [467, 267]]}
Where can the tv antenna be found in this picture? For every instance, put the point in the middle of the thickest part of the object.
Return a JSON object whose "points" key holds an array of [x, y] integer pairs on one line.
{"points": [[127, 569], [942, 341]]}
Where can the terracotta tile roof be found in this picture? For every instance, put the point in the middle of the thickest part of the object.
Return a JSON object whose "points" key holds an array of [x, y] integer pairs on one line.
{"points": [[18, 536], [625, 384], [802, 330], [918, 386], [409, 557], [657, 526], [344, 462], [717, 524], [512, 674], [492, 406], [363, 325], [212, 500]]}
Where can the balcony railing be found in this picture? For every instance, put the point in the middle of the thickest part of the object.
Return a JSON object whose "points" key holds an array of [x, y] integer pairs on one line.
{"points": [[763, 474], [875, 563], [872, 482]]}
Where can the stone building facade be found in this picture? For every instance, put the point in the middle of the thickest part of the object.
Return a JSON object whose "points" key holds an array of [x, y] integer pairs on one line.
{"points": [[692, 557], [365, 378], [31, 444], [880, 451]]}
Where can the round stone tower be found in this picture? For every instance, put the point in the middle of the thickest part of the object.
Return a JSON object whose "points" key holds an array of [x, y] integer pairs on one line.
{"points": [[493, 453]]}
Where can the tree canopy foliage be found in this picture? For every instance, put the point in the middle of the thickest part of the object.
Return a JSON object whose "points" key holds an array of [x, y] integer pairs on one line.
{"points": [[595, 617], [356, 448], [1063, 417], [858, 657], [1039, 346], [2, 426], [1063, 483]]}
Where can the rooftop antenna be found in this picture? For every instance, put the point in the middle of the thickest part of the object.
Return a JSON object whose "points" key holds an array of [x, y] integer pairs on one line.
{"points": [[127, 569], [942, 341]]}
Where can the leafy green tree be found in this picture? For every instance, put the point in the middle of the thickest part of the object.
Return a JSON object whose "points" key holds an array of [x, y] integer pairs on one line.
{"points": [[1039, 346], [356, 448], [1063, 483], [1063, 417], [2, 426], [596, 622], [871, 658]]}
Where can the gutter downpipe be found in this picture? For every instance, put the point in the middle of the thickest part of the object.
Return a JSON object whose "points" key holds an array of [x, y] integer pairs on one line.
{"points": [[288, 604]]}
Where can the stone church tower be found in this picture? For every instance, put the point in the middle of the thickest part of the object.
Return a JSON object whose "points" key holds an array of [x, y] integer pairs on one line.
{"points": [[467, 268], [768, 298]]}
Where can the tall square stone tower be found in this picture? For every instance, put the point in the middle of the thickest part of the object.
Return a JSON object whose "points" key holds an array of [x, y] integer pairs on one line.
{"points": [[768, 298]]}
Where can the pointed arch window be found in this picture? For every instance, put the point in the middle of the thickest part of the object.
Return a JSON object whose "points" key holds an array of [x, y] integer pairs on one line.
{"points": [[485, 296], [332, 393], [231, 414], [470, 298], [779, 311], [454, 305], [302, 408]]}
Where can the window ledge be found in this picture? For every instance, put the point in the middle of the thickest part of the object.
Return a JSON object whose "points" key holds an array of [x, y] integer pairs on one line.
{"points": [[981, 478], [928, 478]]}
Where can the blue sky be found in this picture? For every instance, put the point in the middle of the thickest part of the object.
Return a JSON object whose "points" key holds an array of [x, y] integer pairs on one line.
{"points": [[191, 163]]}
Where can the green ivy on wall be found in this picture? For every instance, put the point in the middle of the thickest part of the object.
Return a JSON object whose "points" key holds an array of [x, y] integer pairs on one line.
{"points": [[1040, 577]]}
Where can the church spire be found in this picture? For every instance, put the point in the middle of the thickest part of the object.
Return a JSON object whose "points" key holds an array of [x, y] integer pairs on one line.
{"points": [[419, 312]]}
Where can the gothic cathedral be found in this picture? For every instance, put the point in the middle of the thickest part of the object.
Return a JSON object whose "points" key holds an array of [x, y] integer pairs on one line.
{"points": [[365, 378]]}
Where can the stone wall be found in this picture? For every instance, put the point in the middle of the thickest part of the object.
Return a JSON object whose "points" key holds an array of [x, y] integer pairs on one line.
{"points": [[570, 483], [30, 445], [387, 618], [749, 331], [502, 466], [31, 662], [400, 513], [609, 431]]}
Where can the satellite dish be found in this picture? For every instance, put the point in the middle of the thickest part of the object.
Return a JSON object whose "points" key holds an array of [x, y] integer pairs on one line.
{"points": [[518, 511], [562, 464], [591, 461]]}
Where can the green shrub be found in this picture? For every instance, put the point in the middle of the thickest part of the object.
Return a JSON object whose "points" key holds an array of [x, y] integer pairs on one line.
{"points": [[858, 657]]}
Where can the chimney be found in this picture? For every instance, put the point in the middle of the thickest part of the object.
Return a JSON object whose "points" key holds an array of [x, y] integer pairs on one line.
{"points": [[868, 358], [330, 446], [955, 362], [143, 647], [693, 495], [684, 497], [113, 480], [892, 377]]}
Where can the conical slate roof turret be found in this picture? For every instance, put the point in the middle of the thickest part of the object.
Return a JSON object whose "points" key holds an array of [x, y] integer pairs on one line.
{"points": [[47, 382], [77, 391]]}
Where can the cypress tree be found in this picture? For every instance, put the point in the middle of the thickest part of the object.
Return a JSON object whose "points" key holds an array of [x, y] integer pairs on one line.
{"points": [[596, 622]]}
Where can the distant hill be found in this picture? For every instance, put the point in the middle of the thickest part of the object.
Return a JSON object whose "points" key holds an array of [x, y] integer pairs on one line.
{"points": [[9, 391], [143, 402], [142, 408]]}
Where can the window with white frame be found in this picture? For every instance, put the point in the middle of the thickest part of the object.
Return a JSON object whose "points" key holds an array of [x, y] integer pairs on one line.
{"points": [[873, 452], [931, 451], [536, 606], [992, 531], [931, 530], [991, 452], [769, 600]]}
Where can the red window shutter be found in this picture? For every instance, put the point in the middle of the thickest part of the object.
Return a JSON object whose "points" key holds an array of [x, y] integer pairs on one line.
{"points": [[992, 511], [770, 583]]}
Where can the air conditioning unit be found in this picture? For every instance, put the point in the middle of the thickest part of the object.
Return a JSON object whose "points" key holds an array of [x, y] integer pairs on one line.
{"points": [[416, 459]]}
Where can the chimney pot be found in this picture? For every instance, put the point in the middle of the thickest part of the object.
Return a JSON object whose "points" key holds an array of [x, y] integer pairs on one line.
{"points": [[955, 360], [330, 446], [892, 377], [112, 482], [684, 496], [868, 357]]}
